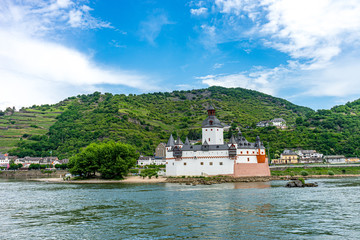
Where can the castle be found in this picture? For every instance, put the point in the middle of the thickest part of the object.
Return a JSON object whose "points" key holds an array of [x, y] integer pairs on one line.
{"points": [[238, 158]]}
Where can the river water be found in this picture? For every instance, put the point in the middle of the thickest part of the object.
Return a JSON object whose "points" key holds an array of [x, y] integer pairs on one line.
{"points": [[36, 210]]}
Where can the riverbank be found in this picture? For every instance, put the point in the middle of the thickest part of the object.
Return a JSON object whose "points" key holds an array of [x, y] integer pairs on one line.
{"points": [[129, 179], [189, 180], [307, 170]]}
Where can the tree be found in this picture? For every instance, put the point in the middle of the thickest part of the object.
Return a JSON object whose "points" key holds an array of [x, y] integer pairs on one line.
{"points": [[111, 160]]}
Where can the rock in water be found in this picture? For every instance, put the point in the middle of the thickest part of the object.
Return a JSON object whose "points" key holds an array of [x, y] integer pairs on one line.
{"points": [[298, 183], [295, 183]]}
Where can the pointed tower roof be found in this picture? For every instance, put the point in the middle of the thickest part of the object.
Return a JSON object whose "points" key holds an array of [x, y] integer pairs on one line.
{"points": [[187, 142], [232, 140], [257, 142], [178, 141], [211, 120], [171, 141]]}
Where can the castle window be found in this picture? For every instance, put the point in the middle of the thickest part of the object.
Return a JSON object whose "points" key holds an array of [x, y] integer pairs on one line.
{"points": [[253, 152], [217, 146], [241, 152], [211, 163], [247, 152], [211, 129], [202, 163], [211, 122], [209, 139], [184, 163], [218, 129], [248, 159], [221, 163]]}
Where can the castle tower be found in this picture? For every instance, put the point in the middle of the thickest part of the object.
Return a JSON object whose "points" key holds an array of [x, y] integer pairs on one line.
{"points": [[212, 129]]}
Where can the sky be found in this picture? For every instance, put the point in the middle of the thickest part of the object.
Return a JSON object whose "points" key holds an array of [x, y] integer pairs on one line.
{"points": [[304, 51]]}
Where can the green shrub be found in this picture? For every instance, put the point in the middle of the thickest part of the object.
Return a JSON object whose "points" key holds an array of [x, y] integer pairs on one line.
{"points": [[304, 173], [331, 173], [134, 170], [302, 180], [291, 174]]}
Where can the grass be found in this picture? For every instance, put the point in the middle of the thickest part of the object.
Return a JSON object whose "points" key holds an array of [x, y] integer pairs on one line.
{"points": [[23, 122], [317, 171]]}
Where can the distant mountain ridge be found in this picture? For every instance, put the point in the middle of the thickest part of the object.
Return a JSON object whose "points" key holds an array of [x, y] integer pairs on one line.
{"points": [[146, 120]]}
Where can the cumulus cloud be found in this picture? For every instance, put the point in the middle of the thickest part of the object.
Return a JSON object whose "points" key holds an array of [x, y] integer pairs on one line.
{"points": [[318, 36], [34, 70], [258, 78]]}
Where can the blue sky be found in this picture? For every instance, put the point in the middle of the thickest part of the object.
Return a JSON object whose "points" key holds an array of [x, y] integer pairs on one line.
{"points": [[304, 51]]}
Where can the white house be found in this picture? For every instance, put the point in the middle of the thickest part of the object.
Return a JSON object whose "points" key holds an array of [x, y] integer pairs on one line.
{"points": [[309, 156], [4, 160], [143, 161], [335, 159], [278, 122], [214, 157]]}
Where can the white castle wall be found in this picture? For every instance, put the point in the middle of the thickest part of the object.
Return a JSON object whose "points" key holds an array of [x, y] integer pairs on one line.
{"points": [[213, 135], [190, 163]]}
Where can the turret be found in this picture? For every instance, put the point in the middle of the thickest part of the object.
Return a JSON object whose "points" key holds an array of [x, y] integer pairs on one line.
{"points": [[178, 141], [170, 142], [212, 129], [211, 111], [232, 140]]}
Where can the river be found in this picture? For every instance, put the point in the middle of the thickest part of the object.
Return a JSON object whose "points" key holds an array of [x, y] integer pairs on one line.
{"points": [[37, 210]]}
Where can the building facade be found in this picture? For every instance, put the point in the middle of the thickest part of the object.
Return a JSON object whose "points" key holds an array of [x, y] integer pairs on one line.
{"points": [[160, 151], [309, 156], [335, 159], [214, 157], [278, 122], [289, 157]]}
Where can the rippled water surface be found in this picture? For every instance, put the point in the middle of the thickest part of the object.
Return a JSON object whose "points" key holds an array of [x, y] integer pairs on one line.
{"points": [[33, 210]]}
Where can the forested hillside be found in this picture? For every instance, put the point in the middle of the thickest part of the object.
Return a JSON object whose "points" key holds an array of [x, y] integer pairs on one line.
{"points": [[147, 119]]}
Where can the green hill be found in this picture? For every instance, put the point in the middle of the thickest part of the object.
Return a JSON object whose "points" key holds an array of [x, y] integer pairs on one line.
{"points": [[147, 119]]}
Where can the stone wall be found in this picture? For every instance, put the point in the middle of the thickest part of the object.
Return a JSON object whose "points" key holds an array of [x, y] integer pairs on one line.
{"points": [[31, 174]]}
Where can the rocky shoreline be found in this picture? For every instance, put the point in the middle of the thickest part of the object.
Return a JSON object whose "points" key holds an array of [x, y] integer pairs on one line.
{"points": [[187, 180], [228, 179], [218, 180]]}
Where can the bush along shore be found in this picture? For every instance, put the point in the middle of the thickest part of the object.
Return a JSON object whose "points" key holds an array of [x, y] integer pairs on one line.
{"points": [[317, 171]]}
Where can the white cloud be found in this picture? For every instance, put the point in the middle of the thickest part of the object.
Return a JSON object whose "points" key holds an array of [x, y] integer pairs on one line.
{"points": [[259, 79], [39, 17], [321, 38], [218, 65], [150, 29], [34, 70], [314, 30], [198, 11]]}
